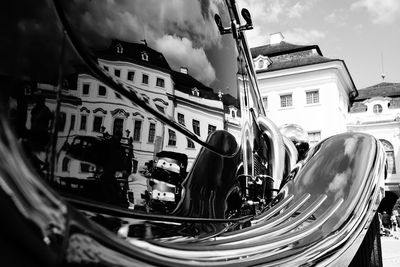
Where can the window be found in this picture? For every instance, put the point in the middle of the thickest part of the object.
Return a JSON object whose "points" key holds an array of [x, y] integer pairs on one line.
{"points": [[130, 76], [286, 100], [190, 143], [97, 123], [65, 164], [389, 156], [61, 121], [233, 113], [145, 79], [196, 127], [160, 82], [265, 102], [136, 130], [314, 138], [134, 166], [152, 132], [118, 96], [117, 72], [120, 49], [312, 97], [195, 91], [377, 108], [85, 89], [106, 68], [83, 123], [72, 123], [160, 108], [181, 119], [145, 57], [171, 138], [211, 128], [102, 90]]}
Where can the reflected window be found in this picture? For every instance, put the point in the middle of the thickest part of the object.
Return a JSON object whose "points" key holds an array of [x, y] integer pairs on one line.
{"points": [[136, 130], [134, 166], [65, 164], [265, 102], [85, 167], [97, 123], [171, 138], [377, 108], [102, 90], [160, 82], [152, 132], [82, 126], [85, 89], [145, 79], [190, 143], [286, 100], [211, 128], [118, 126], [120, 49], [72, 123], [118, 96], [389, 156], [195, 92], [314, 137], [312, 97], [61, 121], [117, 72], [106, 68], [145, 56], [130, 76], [233, 113], [196, 127], [181, 119], [160, 108]]}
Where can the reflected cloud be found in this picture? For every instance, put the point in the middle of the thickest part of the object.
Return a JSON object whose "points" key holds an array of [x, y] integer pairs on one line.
{"points": [[339, 183], [100, 21], [176, 48]]}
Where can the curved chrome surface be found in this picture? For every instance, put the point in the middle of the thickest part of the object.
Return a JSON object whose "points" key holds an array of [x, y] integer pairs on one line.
{"points": [[276, 149], [58, 103]]}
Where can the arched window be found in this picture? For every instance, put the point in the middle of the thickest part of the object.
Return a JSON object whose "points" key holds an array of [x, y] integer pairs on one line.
{"points": [[377, 108], [389, 155]]}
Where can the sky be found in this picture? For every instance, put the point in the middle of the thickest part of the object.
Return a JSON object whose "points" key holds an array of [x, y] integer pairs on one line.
{"points": [[364, 33]]}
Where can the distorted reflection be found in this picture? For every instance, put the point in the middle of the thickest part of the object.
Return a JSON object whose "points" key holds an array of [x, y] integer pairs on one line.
{"points": [[103, 146]]}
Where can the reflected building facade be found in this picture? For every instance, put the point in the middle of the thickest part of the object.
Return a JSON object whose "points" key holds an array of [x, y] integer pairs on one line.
{"points": [[91, 108]]}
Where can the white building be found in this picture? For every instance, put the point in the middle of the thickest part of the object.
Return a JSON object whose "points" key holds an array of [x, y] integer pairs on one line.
{"points": [[299, 85], [377, 111], [94, 109]]}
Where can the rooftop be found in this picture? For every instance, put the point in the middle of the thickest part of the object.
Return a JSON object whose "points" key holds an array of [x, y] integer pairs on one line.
{"points": [[383, 89]]}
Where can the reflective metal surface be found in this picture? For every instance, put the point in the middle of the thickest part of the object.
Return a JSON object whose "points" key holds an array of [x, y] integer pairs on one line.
{"points": [[133, 134]]}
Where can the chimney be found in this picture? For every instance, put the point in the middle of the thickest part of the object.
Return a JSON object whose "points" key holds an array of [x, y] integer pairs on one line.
{"points": [[184, 70], [275, 38]]}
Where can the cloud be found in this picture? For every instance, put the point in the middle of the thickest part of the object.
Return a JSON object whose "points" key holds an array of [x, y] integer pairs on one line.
{"points": [[337, 17], [155, 21], [298, 9], [303, 36], [382, 11], [176, 48], [339, 183], [275, 10]]}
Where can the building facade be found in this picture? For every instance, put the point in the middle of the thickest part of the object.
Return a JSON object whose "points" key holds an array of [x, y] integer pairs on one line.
{"points": [[299, 85], [376, 111], [96, 110]]}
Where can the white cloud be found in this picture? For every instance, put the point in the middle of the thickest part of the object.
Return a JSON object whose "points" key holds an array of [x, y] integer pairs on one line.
{"points": [[176, 49], [303, 36], [382, 11], [298, 9], [269, 11]]}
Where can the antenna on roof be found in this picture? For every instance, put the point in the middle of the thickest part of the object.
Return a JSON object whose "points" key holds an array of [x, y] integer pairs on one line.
{"points": [[383, 75]]}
